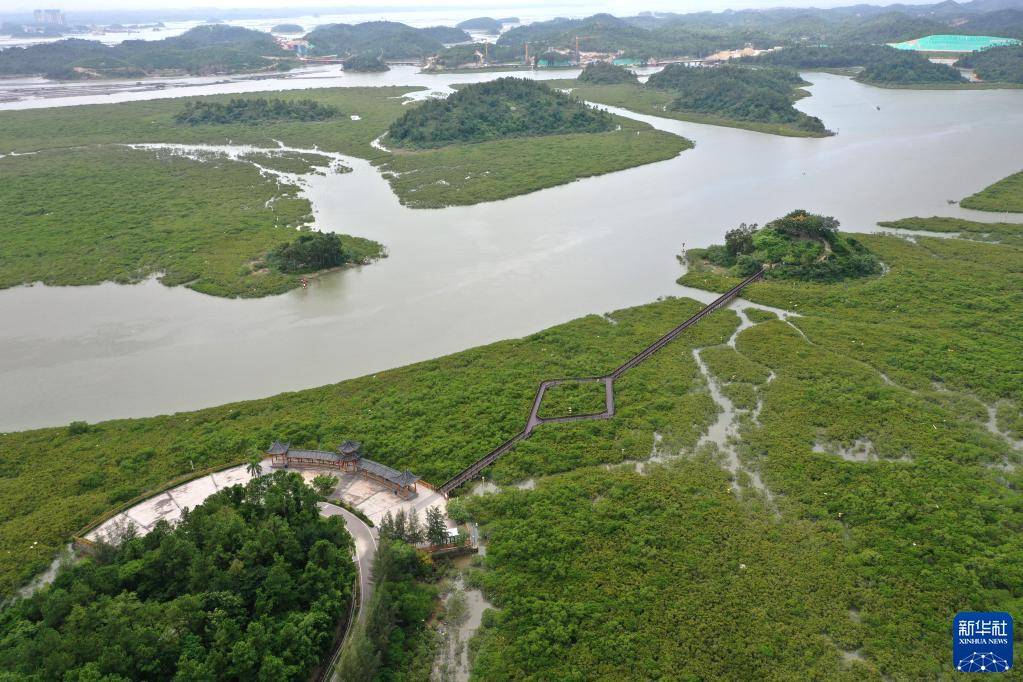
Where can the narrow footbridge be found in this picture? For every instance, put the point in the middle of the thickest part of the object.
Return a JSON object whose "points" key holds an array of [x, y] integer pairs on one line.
{"points": [[535, 420]]}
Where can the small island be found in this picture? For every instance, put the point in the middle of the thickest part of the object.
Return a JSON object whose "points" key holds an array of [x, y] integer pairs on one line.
{"points": [[799, 246], [508, 137], [365, 63], [757, 99], [486, 24], [605, 73], [507, 107], [289, 29]]}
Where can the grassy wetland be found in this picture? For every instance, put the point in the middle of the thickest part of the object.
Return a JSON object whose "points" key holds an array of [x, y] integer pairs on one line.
{"points": [[125, 214]]}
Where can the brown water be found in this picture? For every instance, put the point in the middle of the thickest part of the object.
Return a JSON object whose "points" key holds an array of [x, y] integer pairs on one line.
{"points": [[464, 276]]}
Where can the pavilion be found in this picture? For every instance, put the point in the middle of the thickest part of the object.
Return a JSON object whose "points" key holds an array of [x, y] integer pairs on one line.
{"points": [[348, 457]]}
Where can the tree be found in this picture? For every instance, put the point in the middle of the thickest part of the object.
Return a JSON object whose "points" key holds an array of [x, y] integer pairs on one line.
{"points": [[740, 240], [254, 467], [436, 528], [324, 484]]}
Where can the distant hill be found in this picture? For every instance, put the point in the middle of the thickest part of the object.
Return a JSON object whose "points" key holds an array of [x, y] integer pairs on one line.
{"points": [[505, 108], [487, 24], [385, 39], [204, 50], [446, 34]]}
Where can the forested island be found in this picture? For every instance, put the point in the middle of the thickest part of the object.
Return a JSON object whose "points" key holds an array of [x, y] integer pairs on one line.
{"points": [[504, 108], [287, 28], [759, 99], [250, 584], [741, 94], [203, 50], [603, 73], [875, 64], [486, 24], [798, 246], [384, 39], [365, 63]]}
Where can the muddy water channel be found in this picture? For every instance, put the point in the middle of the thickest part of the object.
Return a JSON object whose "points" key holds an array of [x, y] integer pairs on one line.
{"points": [[464, 276]]}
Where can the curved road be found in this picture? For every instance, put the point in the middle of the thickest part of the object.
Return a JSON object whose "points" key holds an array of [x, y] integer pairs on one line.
{"points": [[365, 551]]}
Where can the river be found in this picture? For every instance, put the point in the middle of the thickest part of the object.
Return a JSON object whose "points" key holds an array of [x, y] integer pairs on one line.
{"points": [[465, 276]]}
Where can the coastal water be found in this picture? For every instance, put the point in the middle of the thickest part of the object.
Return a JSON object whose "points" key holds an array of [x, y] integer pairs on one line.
{"points": [[463, 276]]}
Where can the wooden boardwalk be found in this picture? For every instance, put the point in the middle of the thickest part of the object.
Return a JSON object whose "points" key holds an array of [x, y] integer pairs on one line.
{"points": [[534, 420]]}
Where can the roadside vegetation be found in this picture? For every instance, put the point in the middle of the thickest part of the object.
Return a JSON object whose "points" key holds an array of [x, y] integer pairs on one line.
{"points": [[203, 50], [394, 643], [250, 584], [1006, 195]]}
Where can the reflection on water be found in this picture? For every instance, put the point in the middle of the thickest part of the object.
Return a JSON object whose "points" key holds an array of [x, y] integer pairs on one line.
{"points": [[464, 276]]}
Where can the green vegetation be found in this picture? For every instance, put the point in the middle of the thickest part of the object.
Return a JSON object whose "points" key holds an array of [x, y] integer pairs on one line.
{"points": [[205, 224], [488, 171], [153, 121], [384, 39], [908, 68], [881, 65], [203, 50], [1004, 195], [603, 73], [394, 643], [287, 28], [487, 24], [504, 108], [253, 111], [737, 93], [999, 64], [1002, 233], [614, 574], [311, 252], [800, 246], [365, 63], [249, 585], [573, 398]]}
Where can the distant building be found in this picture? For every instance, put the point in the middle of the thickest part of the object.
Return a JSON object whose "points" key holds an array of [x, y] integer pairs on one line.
{"points": [[52, 17]]}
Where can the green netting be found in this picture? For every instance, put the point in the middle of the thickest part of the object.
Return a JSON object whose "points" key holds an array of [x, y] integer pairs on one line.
{"points": [[953, 43]]}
